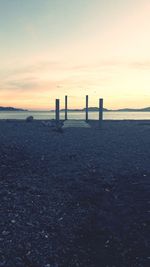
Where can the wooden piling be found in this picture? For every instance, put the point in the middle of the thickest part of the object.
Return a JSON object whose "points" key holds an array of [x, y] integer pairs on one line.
{"points": [[66, 107], [100, 110], [86, 109], [57, 110]]}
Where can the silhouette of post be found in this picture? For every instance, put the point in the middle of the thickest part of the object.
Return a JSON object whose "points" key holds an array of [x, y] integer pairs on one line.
{"points": [[86, 109], [66, 107], [101, 110], [57, 110]]}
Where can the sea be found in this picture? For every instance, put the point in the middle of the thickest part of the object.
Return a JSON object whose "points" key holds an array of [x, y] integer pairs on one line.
{"points": [[48, 115]]}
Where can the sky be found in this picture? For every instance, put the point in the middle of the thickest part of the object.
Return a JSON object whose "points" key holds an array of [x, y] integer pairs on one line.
{"points": [[49, 49]]}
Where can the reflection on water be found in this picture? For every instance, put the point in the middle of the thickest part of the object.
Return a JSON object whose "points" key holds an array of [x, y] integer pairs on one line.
{"points": [[45, 115]]}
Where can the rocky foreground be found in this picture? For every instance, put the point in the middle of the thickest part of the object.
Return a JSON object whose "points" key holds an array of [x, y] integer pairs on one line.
{"points": [[75, 198]]}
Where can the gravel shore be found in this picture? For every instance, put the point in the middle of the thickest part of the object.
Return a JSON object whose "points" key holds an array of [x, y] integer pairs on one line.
{"points": [[77, 198]]}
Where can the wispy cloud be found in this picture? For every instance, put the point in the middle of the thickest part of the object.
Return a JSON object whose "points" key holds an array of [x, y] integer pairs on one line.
{"points": [[141, 65]]}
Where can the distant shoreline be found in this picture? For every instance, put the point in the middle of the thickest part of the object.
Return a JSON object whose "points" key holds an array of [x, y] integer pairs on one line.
{"points": [[12, 109], [90, 109], [74, 111], [98, 111], [95, 109]]}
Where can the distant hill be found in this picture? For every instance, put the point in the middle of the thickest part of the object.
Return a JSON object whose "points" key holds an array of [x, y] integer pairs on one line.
{"points": [[11, 109], [80, 110], [93, 109], [134, 110], [146, 109]]}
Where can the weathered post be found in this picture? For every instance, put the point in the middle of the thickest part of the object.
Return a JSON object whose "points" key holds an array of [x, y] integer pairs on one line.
{"points": [[100, 111], [57, 110], [86, 109], [66, 107]]}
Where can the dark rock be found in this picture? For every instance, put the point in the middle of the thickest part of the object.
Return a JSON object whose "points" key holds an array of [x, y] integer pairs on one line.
{"points": [[29, 119]]}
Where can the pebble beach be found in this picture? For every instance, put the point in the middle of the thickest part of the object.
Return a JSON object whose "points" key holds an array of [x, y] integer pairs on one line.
{"points": [[75, 198]]}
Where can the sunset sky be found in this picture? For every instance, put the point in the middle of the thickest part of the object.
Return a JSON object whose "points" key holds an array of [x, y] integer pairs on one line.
{"points": [[49, 48]]}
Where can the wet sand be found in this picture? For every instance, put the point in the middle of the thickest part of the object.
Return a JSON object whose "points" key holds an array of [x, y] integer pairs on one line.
{"points": [[76, 198]]}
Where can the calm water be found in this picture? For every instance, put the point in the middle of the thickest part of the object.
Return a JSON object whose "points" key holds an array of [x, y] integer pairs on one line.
{"points": [[45, 115]]}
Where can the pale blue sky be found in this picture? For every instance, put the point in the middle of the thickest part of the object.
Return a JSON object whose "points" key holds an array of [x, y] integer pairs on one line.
{"points": [[35, 24], [49, 48]]}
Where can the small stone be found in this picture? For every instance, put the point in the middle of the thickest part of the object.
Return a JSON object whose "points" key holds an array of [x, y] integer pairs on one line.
{"points": [[5, 232], [42, 158], [107, 190], [29, 224], [18, 260], [2, 263], [60, 219], [28, 253], [107, 243]]}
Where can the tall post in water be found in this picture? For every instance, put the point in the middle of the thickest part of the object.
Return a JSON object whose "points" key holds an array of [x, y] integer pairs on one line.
{"points": [[86, 109], [101, 110], [66, 107], [57, 110]]}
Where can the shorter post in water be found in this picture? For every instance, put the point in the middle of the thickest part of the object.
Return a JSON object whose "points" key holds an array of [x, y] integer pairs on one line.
{"points": [[57, 110], [101, 111], [66, 107], [86, 109]]}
